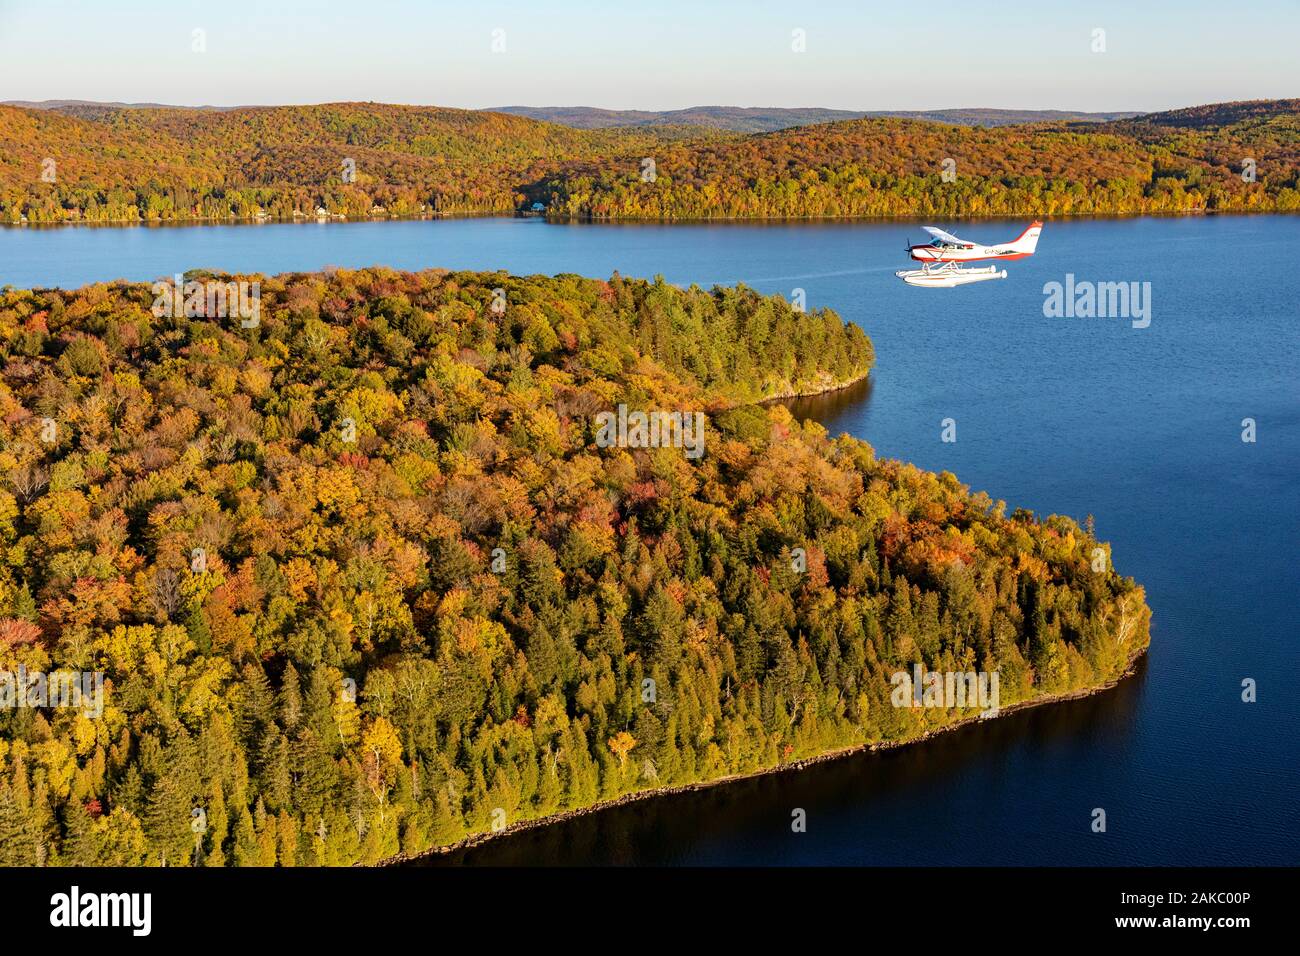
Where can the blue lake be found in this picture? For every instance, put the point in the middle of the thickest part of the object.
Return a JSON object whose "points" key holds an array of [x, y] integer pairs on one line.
{"points": [[1140, 427]]}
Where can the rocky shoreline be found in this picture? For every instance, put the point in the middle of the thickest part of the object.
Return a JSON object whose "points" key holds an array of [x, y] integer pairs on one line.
{"points": [[833, 385]]}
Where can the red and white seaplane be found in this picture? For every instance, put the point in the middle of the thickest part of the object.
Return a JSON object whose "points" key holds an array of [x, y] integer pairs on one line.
{"points": [[942, 256]]}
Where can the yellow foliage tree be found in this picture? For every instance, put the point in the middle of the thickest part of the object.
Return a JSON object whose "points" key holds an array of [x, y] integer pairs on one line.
{"points": [[621, 745]]}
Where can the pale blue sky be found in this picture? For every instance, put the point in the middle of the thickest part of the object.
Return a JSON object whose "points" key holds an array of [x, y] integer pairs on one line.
{"points": [[655, 54]]}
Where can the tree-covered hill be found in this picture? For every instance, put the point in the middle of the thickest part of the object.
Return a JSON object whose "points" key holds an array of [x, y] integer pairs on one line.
{"points": [[162, 164], [1233, 157], [1220, 114], [362, 579], [127, 164]]}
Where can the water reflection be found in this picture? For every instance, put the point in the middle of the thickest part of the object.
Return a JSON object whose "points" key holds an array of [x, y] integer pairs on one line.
{"points": [[830, 406]]}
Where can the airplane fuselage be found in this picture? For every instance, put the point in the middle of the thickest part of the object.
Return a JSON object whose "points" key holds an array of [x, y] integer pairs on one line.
{"points": [[949, 248], [928, 252]]}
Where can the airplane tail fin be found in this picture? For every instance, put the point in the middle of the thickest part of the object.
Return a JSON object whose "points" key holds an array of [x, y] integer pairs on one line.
{"points": [[1028, 240]]}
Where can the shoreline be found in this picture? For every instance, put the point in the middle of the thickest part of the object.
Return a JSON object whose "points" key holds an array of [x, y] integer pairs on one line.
{"points": [[835, 386], [478, 839], [340, 219]]}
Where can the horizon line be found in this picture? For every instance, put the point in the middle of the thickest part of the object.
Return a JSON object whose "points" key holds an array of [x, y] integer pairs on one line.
{"points": [[149, 104]]}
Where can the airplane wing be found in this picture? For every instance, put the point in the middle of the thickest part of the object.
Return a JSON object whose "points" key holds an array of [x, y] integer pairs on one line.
{"points": [[946, 237]]}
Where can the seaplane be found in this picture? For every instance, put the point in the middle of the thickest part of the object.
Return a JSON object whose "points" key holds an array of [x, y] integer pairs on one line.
{"points": [[942, 256]]}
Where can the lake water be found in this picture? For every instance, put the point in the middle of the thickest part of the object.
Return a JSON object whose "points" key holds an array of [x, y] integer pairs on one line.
{"points": [[1141, 427]]}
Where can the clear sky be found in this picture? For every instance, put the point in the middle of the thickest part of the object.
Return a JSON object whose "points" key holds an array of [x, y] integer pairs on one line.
{"points": [[653, 54]]}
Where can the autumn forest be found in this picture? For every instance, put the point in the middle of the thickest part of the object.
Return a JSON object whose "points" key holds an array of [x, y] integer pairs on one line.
{"points": [[362, 583], [102, 164]]}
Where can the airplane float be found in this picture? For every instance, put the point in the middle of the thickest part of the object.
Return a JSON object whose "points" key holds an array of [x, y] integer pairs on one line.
{"points": [[942, 256]]}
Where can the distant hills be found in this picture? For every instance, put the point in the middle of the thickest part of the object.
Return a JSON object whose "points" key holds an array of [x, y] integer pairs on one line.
{"points": [[1225, 157], [736, 119], [767, 119], [161, 163], [76, 161], [82, 107], [1221, 114]]}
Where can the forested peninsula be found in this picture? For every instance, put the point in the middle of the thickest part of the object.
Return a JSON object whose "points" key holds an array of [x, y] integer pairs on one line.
{"points": [[101, 164], [361, 579]]}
